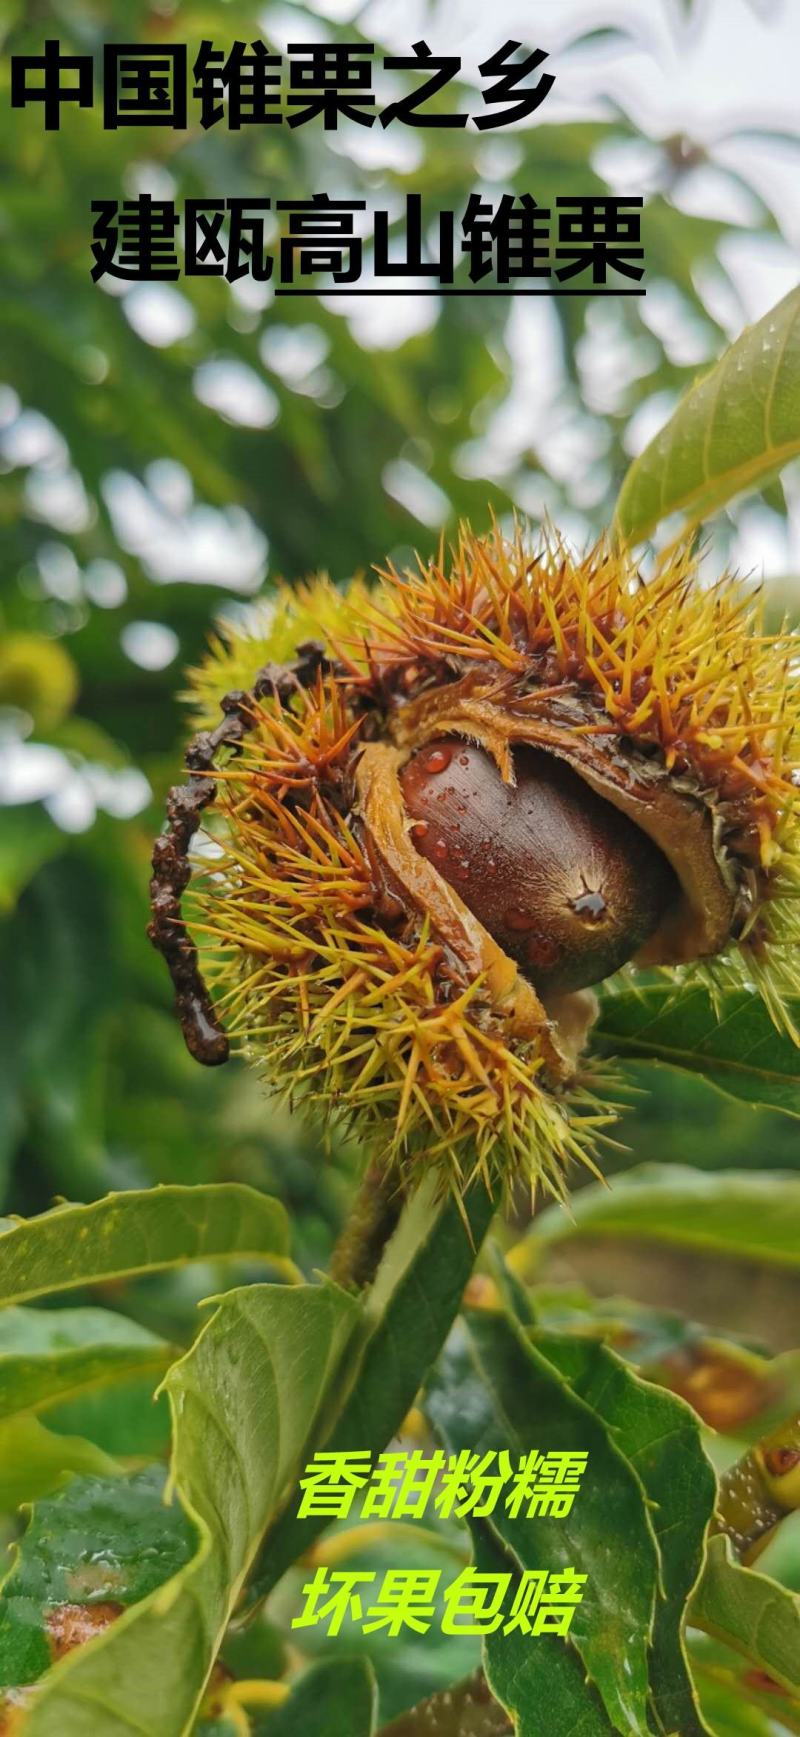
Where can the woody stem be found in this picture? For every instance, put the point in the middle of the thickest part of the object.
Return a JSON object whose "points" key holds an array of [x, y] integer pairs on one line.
{"points": [[372, 1219]]}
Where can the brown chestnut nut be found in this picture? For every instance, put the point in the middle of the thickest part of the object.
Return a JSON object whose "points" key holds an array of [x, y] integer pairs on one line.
{"points": [[566, 884]]}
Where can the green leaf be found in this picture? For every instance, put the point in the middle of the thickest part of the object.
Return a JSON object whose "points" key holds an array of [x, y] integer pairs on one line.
{"points": [[728, 1385], [494, 1389], [541, 1682], [244, 1401], [735, 1703], [103, 1541], [735, 1047], [733, 430], [752, 1215], [660, 1436], [752, 1614], [408, 1314], [336, 1698], [137, 1232], [127, 1418], [775, 497], [51, 1355], [467, 1709], [35, 1460]]}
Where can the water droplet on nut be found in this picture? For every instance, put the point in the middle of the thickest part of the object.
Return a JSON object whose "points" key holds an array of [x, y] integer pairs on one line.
{"points": [[437, 759]]}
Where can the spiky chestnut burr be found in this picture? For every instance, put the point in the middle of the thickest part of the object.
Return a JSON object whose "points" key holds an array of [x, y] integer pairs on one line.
{"points": [[625, 755]]}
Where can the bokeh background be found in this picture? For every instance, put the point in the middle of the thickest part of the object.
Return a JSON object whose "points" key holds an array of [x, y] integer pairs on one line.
{"points": [[166, 451]]}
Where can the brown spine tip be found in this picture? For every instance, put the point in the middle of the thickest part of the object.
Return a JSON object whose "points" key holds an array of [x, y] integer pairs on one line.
{"points": [[565, 883]]}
